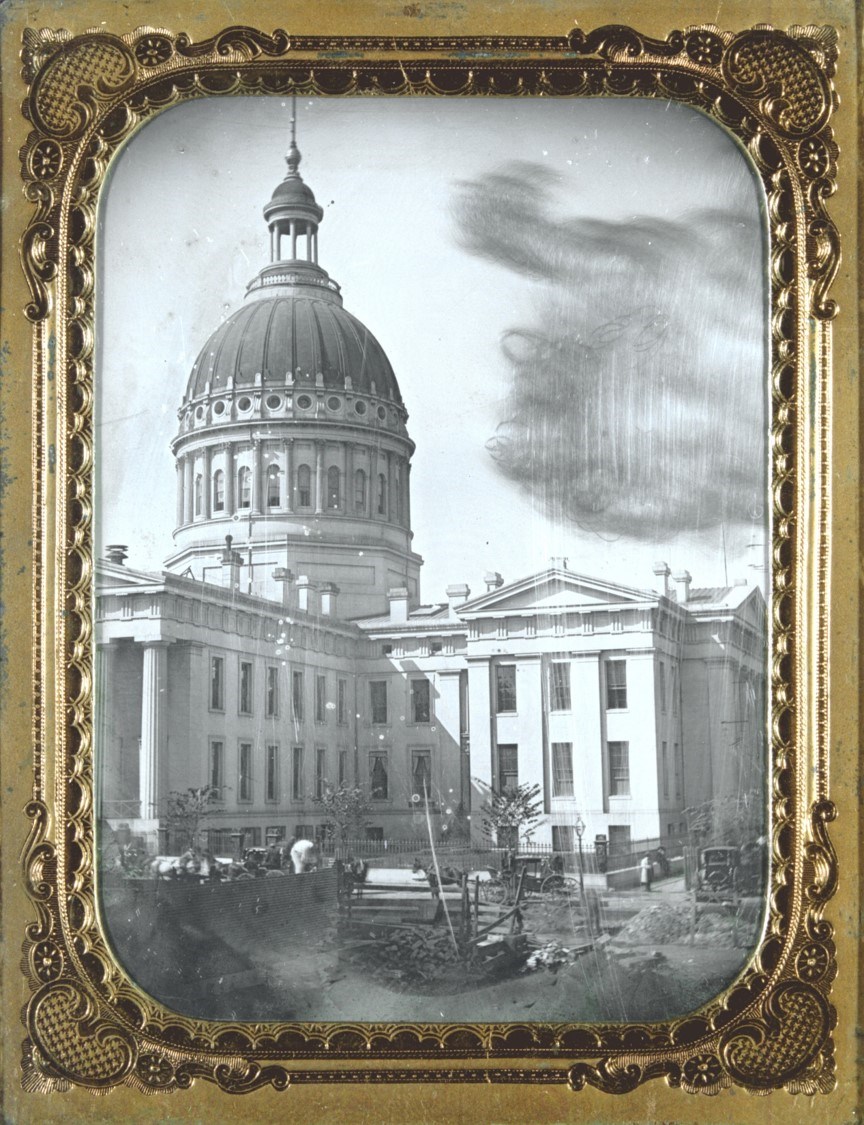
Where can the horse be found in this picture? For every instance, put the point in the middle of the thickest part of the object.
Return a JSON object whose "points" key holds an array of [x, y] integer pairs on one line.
{"points": [[450, 876]]}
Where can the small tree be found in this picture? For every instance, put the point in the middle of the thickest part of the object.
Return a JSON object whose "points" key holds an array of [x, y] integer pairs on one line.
{"points": [[184, 812], [513, 814], [346, 810]]}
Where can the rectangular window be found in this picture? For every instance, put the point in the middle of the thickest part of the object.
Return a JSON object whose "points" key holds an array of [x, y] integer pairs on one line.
{"points": [[674, 689], [375, 833], [378, 777], [619, 769], [342, 702], [559, 685], [562, 769], [421, 776], [619, 839], [297, 773], [562, 838], [378, 700], [664, 766], [508, 767], [304, 832], [271, 792], [343, 767], [217, 766], [244, 791], [251, 837], [272, 701], [662, 687], [217, 683], [420, 701], [245, 687], [505, 687], [320, 698], [677, 766], [297, 695], [320, 771], [616, 685]]}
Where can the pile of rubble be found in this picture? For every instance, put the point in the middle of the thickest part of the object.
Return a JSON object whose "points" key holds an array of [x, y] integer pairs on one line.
{"points": [[550, 956], [418, 954], [666, 923]]}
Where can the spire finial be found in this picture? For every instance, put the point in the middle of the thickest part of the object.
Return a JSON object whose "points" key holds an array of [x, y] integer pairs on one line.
{"points": [[293, 158]]}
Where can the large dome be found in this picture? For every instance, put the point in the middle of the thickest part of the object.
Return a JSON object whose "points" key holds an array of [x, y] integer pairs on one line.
{"points": [[293, 338]]}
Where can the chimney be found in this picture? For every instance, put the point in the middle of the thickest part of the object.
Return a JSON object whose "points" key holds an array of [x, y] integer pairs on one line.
{"points": [[116, 553], [285, 577], [328, 599], [493, 580], [231, 563], [307, 595], [662, 572], [682, 584], [457, 594], [398, 598]]}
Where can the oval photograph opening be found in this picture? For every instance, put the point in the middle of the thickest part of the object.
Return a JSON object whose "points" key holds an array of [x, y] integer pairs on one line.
{"points": [[450, 705]]}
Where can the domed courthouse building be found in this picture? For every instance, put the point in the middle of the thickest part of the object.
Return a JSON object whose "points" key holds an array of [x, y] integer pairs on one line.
{"points": [[285, 647]]}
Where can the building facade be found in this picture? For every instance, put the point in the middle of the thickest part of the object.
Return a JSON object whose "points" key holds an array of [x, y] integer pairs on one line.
{"points": [[306, 659]]}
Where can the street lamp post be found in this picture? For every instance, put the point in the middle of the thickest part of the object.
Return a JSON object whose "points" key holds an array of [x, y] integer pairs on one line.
{"points": [[580, 828]]}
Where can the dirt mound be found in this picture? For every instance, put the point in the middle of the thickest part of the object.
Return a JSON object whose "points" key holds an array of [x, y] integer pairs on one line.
{"points": [[667, 923]]}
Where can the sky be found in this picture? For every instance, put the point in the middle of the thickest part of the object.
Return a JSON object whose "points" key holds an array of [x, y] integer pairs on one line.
{"points": [[571, 292]]}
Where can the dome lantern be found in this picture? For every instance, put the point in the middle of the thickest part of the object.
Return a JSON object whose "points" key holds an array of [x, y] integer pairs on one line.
{"points": [[292, 213]]}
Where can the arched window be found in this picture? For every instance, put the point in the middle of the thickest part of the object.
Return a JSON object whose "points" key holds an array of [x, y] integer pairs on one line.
{"points": [[244, 491], [219, 491], [273, 490], [332, 487], [199, 494], [397, 486], [304, 486], [360, 490], [382, 495]]}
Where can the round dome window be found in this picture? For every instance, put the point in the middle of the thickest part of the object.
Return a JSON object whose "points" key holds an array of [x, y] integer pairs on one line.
{"points": [[382, 413], [219, 408], [333, 402], [273, 402], [304, 402], [360, 407], [244, 403], [199, 413]]}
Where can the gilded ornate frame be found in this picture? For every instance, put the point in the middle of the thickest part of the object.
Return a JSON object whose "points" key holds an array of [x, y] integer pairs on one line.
{"points": [[87, 1025]]}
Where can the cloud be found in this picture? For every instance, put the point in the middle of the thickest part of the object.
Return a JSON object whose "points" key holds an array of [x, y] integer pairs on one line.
{"points": [[636, 393]]}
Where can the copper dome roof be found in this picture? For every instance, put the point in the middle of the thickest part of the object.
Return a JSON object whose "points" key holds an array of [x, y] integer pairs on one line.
{"points": [[298, 335]]}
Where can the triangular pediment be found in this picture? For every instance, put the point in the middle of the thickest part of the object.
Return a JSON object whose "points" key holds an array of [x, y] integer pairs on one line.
{"points": [[553, 590]]}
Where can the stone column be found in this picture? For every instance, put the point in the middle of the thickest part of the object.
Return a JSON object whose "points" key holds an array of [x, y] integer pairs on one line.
{"points": [[230, 479], [154, 726], [180, 498], [350, 507], [293, 239], [319, 477], [111, 767], [207, 485], [407, 493], [256, 478], [188, 488]]}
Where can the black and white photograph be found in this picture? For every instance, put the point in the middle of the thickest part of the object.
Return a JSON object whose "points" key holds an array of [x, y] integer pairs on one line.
{"points": [[432, 535]]}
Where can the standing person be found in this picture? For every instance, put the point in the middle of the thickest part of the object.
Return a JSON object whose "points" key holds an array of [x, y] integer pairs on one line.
{"points": [[304, 856], [645, 873]]}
